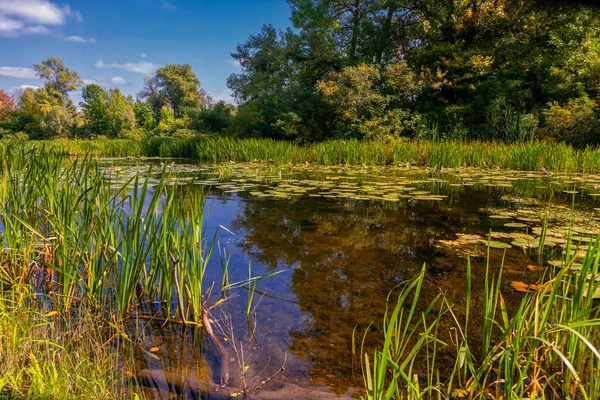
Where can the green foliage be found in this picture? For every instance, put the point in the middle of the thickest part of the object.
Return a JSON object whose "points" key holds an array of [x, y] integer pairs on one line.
{"points": [[474, 70], [576, 122], [166, 120], [57, 123], [107, 113], [59, 79], [175, 86], [371, 104], [144, 115], [215, 119], [513, 71], [274, 84]]}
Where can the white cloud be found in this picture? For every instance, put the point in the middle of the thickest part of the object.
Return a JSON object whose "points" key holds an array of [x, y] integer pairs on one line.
{"points": [[89, 82], [32, 17], [35, 11], [36, 30], [144, 55], [168, 5], [143, 67], [117, 80], [18, 89], [18, 72], [9, 25], [226, 96], [79, 39], [235, 63]]}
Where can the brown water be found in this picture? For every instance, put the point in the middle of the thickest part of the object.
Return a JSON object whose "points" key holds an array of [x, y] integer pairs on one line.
{"points": [[346, 238]]}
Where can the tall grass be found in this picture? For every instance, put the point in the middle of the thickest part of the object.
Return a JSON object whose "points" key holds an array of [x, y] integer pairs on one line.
{"points": [[523, 156], [68, 227], [547, 348], [82, 245], [51, 355]]}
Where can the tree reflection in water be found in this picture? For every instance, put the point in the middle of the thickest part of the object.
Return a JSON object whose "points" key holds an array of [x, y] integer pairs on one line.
{"points": [[349, 256]]}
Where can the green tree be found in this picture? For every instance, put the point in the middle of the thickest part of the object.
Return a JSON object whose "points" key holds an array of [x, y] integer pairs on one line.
{"points": [[215, 119], [372, 104], [59, 79], [95, 109], [272, 85], [175, 86], [144, 115], [57, 123], [107, 112]]}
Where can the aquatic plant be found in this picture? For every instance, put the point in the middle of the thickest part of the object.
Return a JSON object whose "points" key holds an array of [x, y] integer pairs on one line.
{"points": [[546, 348], [532, 156]]}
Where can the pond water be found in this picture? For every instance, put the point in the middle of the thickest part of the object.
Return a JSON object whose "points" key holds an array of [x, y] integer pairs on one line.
{"points": [[345, 238]]}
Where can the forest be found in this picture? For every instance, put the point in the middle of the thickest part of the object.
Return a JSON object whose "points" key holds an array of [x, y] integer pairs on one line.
{"points": [[490, 70]]}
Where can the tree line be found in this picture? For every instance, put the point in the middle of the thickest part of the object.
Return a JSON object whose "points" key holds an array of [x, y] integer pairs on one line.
{"points": [[504, 70]]}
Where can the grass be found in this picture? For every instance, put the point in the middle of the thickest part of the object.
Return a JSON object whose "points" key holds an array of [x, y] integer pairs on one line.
{"points": [[84, 249], [51, 355], [528, 156], [107, 243], [82, 246], [547, 348]]}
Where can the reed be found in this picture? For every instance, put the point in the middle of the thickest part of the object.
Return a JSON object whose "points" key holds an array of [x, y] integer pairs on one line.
{"points": [[89, 234], [547, 348], [212, 149]]}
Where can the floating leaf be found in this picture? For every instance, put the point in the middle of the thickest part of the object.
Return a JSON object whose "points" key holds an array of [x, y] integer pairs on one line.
{"points": [[524, 287]]}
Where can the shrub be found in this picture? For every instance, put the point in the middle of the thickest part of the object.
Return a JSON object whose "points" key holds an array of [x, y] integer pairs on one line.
{"points": [[576, 122]]}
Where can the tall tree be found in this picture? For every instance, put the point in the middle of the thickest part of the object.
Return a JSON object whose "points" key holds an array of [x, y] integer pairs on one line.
{"points": [[107, 112], [176, 86], [60, 80]]}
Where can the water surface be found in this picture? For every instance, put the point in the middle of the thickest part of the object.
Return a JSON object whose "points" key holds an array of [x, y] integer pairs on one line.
{"points": [[345, 239]]}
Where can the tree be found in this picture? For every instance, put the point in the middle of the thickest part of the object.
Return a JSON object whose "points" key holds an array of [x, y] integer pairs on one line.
{"points": [[272, 85], [144, 115], [153, 94], [7, 106], [107, 112], [216, 118], [95, 109], [59, 79], [373, 104], [178, 87], [57, 123]]}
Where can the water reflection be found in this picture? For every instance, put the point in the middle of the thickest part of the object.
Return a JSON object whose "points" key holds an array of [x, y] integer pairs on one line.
{"points": [[344, 257]]}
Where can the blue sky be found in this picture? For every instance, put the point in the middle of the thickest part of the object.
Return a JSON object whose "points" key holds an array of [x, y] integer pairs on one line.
{"points": [[117, 42]]}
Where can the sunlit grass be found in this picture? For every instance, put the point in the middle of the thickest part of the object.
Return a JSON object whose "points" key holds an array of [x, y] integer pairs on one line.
{"points": [[547, 348], [527, 156]]}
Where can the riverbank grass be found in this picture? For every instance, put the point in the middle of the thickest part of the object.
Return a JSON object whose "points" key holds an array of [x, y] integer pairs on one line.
{"points": [[532, 156]]}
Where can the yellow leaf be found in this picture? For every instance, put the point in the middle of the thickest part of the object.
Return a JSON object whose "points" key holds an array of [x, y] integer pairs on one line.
{"points": [[154, 349], [246, 368], [523, 287], [51, 314]]}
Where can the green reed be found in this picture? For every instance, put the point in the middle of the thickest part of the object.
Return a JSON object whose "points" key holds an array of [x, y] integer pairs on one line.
{"points": [[546, 348], [76, 232], [212, 149]]}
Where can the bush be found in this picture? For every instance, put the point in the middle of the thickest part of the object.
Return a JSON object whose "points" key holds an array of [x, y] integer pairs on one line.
{"points": [[57, 123], [576, 122]]}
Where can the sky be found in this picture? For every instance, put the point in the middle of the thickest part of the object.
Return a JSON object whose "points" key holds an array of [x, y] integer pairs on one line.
{"points": [[115, 43]]}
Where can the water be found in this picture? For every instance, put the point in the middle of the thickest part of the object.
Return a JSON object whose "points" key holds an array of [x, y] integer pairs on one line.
{"points": [[345, 239]]}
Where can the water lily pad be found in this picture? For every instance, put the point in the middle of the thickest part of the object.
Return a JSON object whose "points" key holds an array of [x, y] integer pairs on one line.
{"points": [[515, 225], [497, 245]]}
